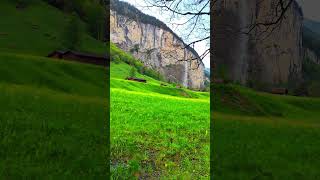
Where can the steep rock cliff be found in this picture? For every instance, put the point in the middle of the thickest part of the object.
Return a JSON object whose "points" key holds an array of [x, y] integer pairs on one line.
{"points": [[272, 60], [157, 48]]}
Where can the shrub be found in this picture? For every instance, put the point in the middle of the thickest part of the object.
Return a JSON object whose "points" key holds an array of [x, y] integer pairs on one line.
{"points": [[314, 89], [132, 72], [116, 59]]}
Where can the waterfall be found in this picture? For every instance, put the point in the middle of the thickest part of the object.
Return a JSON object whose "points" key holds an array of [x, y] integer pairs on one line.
{"points": [[243, 40]]}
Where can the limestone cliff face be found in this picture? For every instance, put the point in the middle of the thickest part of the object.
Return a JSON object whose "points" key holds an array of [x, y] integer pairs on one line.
{"points": [[158, 49], [269, 58], [310, 54]]}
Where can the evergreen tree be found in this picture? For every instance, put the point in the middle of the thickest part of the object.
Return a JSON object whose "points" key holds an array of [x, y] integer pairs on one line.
{"points": [[72, 34]]}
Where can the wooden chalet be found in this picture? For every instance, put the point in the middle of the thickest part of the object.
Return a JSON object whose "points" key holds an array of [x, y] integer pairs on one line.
{"points": [[280, 91], [136, 79], [218, 81]]}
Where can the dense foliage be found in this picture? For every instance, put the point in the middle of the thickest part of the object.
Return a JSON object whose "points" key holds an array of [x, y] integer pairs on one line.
{"points": [[311, 76], [45, 27], [118, 56], [93, 12], [311, 40]]}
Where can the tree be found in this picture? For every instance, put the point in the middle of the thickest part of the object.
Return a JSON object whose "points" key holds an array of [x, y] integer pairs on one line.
{"points": [[191, 17], [96, 20], [72, 33], [132, 72]]}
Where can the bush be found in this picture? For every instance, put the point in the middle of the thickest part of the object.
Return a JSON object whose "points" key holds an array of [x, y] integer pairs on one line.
{"points": [[132, 72], [154, 74], [116, 59], [301, 89], [314, 89]]}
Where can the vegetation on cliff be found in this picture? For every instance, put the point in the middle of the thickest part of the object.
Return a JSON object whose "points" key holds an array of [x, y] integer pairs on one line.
{"points": [[311, 36], [119, 56], [311, 76], [311, 70]]}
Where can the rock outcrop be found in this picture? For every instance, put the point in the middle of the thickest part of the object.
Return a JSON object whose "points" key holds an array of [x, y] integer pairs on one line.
{"points": [[157, 48], [264, 57], [311, 55]]}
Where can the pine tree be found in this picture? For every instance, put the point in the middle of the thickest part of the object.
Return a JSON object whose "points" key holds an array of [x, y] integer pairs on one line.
{"points": [[72, 34]]}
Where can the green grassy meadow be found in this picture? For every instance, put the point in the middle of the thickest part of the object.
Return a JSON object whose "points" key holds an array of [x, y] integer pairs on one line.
{"points": [[53, 114], [264, 136], [157, 131], [52, 119]]}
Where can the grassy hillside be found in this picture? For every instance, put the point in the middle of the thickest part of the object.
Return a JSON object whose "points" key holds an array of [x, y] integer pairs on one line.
{"points": [[52, 113], [156, 131], [264, 136], [38, 30], [52, 118]]}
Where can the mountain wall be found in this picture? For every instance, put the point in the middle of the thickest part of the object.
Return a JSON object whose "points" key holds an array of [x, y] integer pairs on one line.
{"points": [[264, 57], [158, 48], [310, 54]]}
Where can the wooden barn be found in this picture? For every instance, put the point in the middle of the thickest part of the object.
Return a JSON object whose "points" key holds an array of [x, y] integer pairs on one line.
{"points": [[218, 81], [280, 91], [80, 57], [136, 79]]}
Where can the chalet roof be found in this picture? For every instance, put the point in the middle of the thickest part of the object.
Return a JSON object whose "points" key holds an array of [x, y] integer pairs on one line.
{"points": [[82, 54]]}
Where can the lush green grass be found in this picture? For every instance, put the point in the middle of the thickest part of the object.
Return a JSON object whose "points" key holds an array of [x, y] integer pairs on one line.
{"points": [[120, 71], [157, 131], [38, 30], [53, 114], [264, 136], [53, 118]]}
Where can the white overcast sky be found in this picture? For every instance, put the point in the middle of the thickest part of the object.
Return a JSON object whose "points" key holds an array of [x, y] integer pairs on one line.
{"points": [[311, 9], [200, 47]]}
